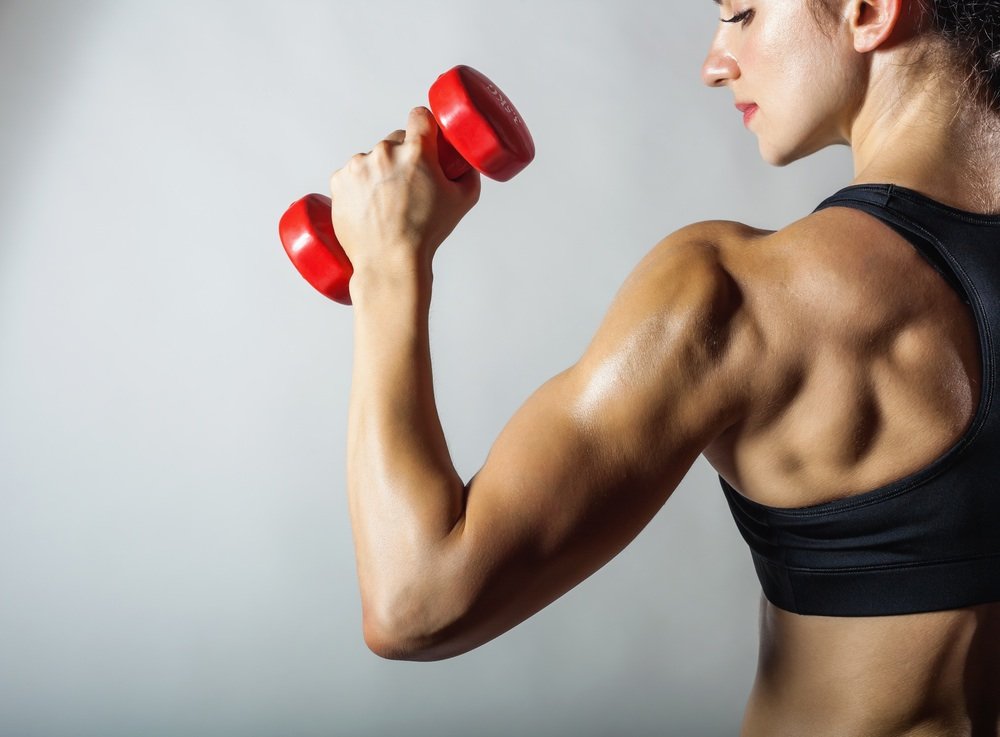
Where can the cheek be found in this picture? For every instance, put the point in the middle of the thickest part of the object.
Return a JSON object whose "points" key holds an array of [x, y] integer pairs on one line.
{"points": [[801, 82], [767, 60], [783, 56]]}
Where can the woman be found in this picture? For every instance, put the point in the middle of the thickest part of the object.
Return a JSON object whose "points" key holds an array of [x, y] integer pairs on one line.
{"points": [[838, 373]]}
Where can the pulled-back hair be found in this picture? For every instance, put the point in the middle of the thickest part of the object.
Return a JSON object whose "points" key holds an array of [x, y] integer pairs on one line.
{"points": [[970, 30], [973, 27]]}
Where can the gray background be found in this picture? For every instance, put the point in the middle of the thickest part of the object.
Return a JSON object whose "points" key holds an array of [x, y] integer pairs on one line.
{"points": [[175, 551]]}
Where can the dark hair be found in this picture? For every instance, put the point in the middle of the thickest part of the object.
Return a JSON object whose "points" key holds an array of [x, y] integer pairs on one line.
{"points": [[973, 27], [970, 30]]}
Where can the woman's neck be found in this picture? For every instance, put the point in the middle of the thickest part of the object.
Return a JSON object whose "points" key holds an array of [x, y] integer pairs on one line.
{"points": [[932, 139]]}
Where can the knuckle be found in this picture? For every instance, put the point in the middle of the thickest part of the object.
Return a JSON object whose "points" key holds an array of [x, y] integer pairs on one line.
{"points": [[411, 154]]}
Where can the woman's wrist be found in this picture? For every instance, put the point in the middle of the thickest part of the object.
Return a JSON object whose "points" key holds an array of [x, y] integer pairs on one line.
{"points": [[403, 277]]}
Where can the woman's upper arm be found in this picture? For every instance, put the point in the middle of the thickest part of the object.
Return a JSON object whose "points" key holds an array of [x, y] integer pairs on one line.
{"points": [[592, 455]]}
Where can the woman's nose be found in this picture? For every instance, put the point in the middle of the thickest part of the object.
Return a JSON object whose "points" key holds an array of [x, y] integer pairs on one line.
{"points": [[719, 66]]}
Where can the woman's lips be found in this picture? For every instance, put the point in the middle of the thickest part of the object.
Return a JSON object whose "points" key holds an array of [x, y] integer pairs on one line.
{"points": [[748, 109]]}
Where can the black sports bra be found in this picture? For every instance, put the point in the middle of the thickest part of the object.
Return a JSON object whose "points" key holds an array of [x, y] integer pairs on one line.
{"points": [[929, 541]]}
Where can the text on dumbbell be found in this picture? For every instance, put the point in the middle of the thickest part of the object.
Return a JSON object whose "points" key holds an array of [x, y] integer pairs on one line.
{"points": [[504, 103]]}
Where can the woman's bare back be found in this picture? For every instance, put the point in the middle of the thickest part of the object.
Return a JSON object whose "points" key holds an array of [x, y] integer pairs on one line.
{"points": [[876, 372]]}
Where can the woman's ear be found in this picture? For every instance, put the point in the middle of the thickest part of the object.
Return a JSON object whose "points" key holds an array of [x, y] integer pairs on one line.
{"points": [[873, 22]]}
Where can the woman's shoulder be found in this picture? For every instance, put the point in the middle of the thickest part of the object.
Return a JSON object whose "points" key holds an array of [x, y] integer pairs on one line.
{"points": [[825, 273], [827, 247]]}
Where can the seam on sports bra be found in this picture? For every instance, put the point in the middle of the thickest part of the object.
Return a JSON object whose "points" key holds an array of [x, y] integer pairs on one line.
{"points": [[892, 566], [911, 195], [837, 506], [776, 533]]}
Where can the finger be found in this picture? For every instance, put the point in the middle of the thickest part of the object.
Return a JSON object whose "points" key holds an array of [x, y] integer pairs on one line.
{"points": [[396, 137], [421, 127]]}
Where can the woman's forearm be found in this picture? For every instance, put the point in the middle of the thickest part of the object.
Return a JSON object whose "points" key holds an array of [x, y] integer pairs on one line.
{"points": [[405, 495]]}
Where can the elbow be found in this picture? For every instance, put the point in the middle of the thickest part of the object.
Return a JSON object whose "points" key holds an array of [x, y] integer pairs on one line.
{"points": [[389, 644], [384, 645], [412, 633]]}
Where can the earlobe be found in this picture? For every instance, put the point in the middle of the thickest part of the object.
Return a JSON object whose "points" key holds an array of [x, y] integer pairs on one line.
{"points": [[873, 22]]}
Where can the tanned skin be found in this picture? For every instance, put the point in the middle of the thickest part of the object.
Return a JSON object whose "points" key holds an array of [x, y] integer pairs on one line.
{"points": [[725, 341]]}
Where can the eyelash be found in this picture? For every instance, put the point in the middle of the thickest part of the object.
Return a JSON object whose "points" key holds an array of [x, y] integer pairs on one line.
{"points": [[744, 17]]}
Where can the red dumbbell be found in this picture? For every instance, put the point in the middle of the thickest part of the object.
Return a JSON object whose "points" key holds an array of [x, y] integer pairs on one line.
{"points": [[478, 127]]}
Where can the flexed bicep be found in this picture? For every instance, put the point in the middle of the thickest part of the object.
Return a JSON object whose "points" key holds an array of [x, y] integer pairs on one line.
{"points": [[594, 453]]}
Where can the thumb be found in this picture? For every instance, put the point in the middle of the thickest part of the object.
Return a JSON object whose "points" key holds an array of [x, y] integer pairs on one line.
{"points": [[421, 128]]}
